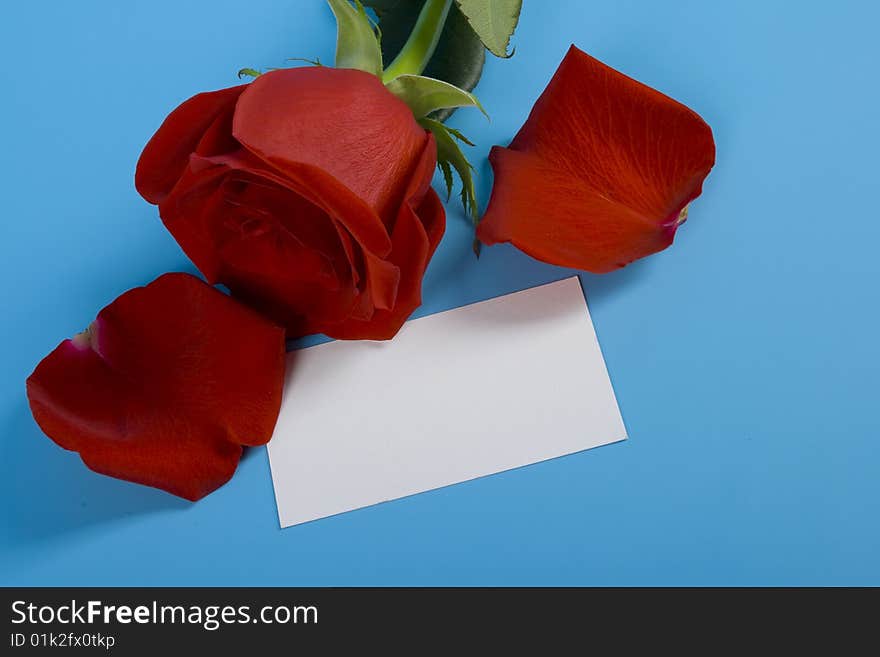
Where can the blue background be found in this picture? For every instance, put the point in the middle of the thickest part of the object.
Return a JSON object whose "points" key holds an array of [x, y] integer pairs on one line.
{"points": [[745, 358]]}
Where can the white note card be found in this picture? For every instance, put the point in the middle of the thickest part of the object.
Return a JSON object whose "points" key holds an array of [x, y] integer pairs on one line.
{"points": [[461, 394]]}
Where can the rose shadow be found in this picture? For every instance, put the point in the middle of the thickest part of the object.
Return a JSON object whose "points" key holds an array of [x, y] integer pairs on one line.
{"points": [[598, 287], [48, 491], [519, 271]]}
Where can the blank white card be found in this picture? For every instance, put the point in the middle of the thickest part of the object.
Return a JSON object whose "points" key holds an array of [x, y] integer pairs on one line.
{"points": [[461, 394]]}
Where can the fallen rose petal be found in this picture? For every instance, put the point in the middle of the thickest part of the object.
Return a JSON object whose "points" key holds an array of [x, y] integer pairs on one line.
{"points": [[165, 387], [600, 174]]}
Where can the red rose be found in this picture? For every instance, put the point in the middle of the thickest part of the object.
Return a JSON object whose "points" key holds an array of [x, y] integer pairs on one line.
{"points": [[164, 387], [601, 173], [307, 193]]}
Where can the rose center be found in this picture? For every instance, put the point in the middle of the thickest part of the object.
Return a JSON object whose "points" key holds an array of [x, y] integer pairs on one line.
{"points": [[248, 225]]}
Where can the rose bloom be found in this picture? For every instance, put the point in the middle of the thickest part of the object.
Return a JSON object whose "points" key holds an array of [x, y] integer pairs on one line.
{"points": [[307, 193]]}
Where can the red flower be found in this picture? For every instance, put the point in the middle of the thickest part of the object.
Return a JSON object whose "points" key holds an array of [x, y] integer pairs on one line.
{"points": [[307, 193], [601, 173], [164, 387]]}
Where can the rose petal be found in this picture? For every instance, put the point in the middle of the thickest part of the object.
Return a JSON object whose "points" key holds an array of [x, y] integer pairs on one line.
{"points": [[218, 139], [312, 184], [600, 173], [167, 153], [337, 200], [383, 278], [273, 248], [418, 229], [342, 121], [165, 387]]}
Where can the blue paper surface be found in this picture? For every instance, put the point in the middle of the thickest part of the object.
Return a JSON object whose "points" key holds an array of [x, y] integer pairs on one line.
{"points": [[744, 358]]}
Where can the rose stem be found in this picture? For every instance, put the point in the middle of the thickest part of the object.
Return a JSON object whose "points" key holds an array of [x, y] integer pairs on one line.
{"points": [[413, 57]]}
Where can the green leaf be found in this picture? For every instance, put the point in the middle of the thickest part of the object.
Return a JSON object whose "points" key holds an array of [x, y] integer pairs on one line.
{"points": [[459, 56], [449, 154], [383, 5], [426, 95], [493, 20], [356, 43]]}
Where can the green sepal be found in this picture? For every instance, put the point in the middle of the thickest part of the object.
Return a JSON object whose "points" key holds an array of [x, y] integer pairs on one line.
{"points": [[357, 45], [457, 134], [250, 72], [427, 95], [447, 176], [450, 156], [314, 62], [494, 21]]}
